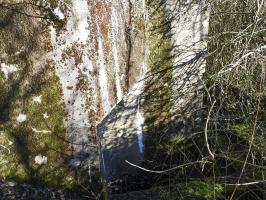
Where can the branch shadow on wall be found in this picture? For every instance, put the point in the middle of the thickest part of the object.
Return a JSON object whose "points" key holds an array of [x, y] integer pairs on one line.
{"points": [[171, 100], [19, 142]]}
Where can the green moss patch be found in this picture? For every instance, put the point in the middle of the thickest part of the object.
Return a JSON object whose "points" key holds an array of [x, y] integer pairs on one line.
{"points": [[192, 190], [42, 132]]}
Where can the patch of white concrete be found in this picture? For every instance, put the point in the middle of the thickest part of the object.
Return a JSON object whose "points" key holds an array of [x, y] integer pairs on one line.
{"points": [[40, 159], [45, 115], [190, 29], [59, 13], [37, 99], [139, 124], [74, 39], [103, 79], [21, 118], [114, 34], [8, 69]]}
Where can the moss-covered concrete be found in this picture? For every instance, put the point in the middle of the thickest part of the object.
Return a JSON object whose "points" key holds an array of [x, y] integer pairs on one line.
{"points": [[43, 132], [158, 92]]}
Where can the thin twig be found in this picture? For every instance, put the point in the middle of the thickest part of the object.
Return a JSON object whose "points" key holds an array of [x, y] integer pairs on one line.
{"points": [[167, 170], [250, 183], [261, 89], [206, 130]]}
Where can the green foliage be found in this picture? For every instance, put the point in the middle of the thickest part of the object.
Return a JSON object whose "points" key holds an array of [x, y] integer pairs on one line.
{"points": [[242, 130], [235, 82], [192, 190]]}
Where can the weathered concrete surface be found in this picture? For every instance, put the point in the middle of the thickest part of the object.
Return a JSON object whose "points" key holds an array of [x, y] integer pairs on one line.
{"points": [[118, 131], [97, 57], [120, 136], [189, 28], [90, 53]]}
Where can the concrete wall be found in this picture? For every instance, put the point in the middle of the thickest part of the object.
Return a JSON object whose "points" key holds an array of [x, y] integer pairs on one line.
{"points": [[119, 132]]}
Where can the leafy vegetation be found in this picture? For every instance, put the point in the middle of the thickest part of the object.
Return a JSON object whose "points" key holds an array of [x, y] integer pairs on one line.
{"points": [[230, 141], [192, 190]]}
